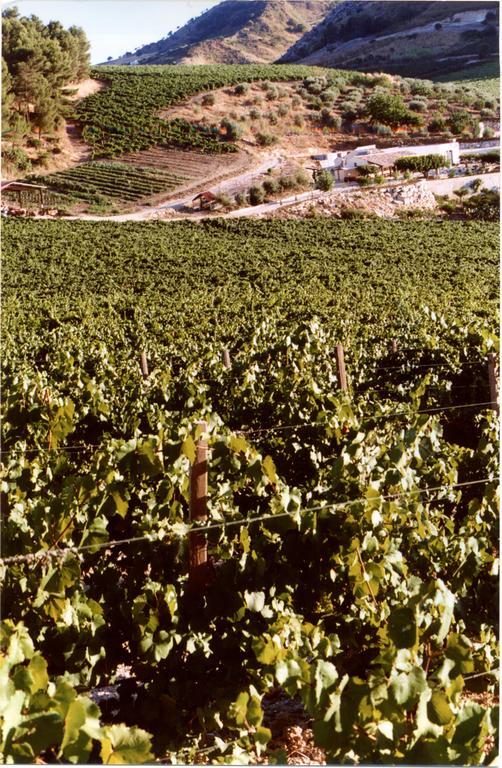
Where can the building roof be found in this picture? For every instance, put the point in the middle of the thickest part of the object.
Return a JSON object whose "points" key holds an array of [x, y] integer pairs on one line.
{"points": [[15, 185], [386, 159], [205, 196]]}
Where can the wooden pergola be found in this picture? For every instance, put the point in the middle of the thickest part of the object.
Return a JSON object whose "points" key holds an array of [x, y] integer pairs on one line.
{"points": [[22, 186]]}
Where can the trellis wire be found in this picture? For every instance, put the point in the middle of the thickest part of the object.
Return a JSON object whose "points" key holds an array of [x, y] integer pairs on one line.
{"points": [[33, 556], [262, 430]]}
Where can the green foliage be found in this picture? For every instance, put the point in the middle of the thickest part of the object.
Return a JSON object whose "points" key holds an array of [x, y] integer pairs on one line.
{"points": [[365, 596], [484, 205], [232, 130], [17, 157], [40, 716], [208, 100], [459, 121], [256, 195], [437, 125], [421, 163], [389, 109], [38, 61], [265, 139], [241, 89], [324, 180], [119, 181]]}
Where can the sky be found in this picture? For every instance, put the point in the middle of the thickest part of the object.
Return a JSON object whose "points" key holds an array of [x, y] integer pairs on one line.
{"points": [[115, 26]]}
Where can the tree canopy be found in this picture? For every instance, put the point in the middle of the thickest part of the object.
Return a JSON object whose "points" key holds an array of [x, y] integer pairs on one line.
{"points": [[38, 60], [390, 109], [421, 163]]}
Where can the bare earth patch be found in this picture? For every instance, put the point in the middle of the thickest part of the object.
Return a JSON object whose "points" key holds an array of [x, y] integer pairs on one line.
{"points": [[85, 88]]}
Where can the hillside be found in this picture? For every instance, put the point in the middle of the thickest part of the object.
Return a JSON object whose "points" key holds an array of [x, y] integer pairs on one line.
{"points": [[234, 32], [419, 39], [153, 133]]}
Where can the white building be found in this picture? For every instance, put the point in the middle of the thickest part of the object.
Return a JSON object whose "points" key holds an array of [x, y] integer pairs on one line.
{"points": [[342, 163]]}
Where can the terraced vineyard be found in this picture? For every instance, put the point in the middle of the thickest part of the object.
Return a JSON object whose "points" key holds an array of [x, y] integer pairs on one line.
{"points": [[123, 117], [190, 165], [112, 180]]}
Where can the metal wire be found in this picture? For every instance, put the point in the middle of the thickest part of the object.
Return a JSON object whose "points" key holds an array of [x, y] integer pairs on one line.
{"points": [[34, 556], [262, 430]]}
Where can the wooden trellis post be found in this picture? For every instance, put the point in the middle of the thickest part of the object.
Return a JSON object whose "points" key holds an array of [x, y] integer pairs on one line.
{"points": [[393, 346], [340, 364], [493, 380], [225, 356], [144, 365], [198, 512]]}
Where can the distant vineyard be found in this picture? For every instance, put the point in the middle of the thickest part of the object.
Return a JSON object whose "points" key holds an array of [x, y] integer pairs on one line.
{"points": [[485, 78], [111, 180]]}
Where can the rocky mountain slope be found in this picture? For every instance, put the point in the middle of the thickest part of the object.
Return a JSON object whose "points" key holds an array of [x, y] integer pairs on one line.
{"points": [[408, 38], [235, 32]]}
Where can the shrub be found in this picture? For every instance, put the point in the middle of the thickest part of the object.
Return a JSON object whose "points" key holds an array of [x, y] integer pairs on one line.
{"points": [[328, 97], [272, 118], [256, 195], [459, 121], [298, 120], [271, 94], [254, 114], [356, 213], [271, 186], [364, 181], [421, 88], [389, 109], [224, 200], [282, 110], [296, 101], [287, 182], [437, 125], [33, 142], [418, 106], [488, 132], [208, 99], [43, 158], [266, 139], [315, 84], [314, 103], [493, 156], [241, 198], [324, 181], [485, 206], [348, 109], [327, 118], [232, 130], [302, 178], [18, 158], [241, 89], [379, 179], [489, 113], [382, 130]]}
